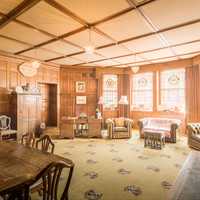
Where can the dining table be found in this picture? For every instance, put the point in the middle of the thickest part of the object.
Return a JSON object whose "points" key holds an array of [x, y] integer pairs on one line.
{"points": [[20, 164]]}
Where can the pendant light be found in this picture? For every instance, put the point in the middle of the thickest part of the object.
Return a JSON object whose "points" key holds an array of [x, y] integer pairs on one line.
{"points": [[90, 47]]}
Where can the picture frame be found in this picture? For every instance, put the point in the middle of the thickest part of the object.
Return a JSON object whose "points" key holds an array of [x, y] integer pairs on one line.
{"points": [[80, 86], [81, 100]]}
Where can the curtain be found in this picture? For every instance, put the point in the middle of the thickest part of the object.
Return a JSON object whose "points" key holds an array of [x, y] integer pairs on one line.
{"points": [[193, 94]]}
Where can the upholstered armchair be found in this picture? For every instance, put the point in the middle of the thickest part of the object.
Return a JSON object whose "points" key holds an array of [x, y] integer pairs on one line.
{"points": [[193, 131], [119, 127]]}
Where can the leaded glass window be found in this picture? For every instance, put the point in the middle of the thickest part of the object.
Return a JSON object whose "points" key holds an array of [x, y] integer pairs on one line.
{"points": [[142, 91], [110, 90], [172, 90]]}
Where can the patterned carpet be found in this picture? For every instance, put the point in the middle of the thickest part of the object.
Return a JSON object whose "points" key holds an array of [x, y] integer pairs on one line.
{"points": [[121, 169]]}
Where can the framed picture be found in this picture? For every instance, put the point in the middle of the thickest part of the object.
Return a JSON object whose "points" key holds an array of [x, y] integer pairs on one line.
{"points": [[80, 99], [80, 86]]}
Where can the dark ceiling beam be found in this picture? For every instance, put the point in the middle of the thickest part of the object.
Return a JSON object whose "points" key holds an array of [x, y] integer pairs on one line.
{"points": [[20, 9]]}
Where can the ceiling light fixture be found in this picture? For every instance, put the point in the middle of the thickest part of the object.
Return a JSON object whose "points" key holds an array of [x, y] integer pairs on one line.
{"points": [[90, 48], [135, 68]]}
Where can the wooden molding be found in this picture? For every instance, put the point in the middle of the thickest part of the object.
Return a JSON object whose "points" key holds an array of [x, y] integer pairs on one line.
{"points": [[21, 8]]}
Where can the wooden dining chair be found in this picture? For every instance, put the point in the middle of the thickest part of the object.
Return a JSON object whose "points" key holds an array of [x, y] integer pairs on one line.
{"points": [[51, 177], [28, 139], [45, 144]]}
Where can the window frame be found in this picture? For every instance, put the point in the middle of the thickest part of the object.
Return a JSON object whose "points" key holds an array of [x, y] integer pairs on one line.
{"points": [[137, 109], [115, 106], [161, 107]]}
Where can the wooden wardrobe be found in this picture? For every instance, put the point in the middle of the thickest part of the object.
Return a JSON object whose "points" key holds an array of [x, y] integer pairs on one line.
{"points": [[25, 110]]}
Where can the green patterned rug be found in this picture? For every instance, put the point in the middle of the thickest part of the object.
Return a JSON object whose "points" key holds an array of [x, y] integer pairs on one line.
{"points": [[121, 169]]}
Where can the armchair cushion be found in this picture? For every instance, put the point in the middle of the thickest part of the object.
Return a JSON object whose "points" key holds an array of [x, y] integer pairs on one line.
{"points": [[120, 129], [119, 122]]}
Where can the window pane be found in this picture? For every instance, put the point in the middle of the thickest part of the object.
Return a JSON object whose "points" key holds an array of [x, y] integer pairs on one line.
{"points": [[142, 92], [172, 90], [110, 93]]}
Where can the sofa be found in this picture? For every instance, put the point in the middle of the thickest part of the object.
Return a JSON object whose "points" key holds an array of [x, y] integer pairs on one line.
{"points": [[119, 127], [166, 125], [193, 131]]}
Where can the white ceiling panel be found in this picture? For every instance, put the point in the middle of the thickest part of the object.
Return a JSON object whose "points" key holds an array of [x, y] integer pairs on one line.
{"points": [[86, 57], [82, 39], [126, 26], [188, 48], [128, 59], [22, 33], [164, 60], [94, 10], [105, 63], [157, 54], [189, 56], [67, 61], [144, 44], [113, 51], [184, 34], [49, 19], [165, 13], [7, 5], [11, 46], [40, 54], [139, 64], [62, 47]]}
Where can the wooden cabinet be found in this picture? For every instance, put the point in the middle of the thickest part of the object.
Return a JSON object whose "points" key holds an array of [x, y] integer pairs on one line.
{"points": [[94, 128], [67, 128], [25, 110]]}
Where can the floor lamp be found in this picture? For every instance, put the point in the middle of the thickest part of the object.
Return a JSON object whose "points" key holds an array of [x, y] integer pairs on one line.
{"points": [[124, 102]]}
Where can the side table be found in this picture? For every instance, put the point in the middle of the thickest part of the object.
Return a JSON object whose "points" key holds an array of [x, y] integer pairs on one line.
{"points": [[154, 139]]}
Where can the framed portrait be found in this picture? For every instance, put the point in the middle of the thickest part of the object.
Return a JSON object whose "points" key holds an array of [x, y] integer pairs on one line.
{"points": [[80, 86], [81, 100]]}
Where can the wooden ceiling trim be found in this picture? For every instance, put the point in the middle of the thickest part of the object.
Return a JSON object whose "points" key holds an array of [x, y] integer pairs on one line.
{"points": [[111, 44], [67, 12], [147, 51], [141, 52], [41, 31], [122, 41], [152, 25], [53, 39], [28, 44], [156, 59], [15, 40], [127, 10], [80, 20], [21, 8]]}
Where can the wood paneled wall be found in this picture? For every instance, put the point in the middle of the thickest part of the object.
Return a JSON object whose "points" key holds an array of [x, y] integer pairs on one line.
{"points": [[10, 77], [68, 77]]}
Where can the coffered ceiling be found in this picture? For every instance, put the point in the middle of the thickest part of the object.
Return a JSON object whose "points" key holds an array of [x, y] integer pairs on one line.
{"points": [[122, 32]]}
